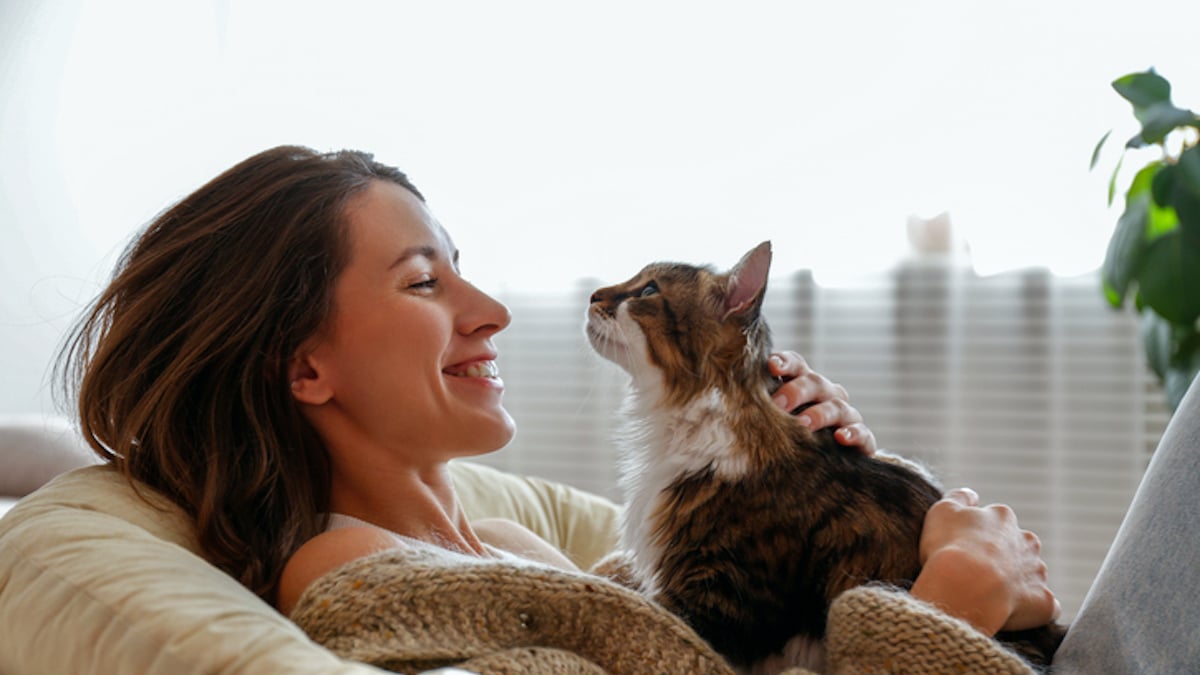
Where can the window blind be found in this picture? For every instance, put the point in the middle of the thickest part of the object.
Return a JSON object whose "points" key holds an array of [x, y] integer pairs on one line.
{"points": [[1025, 386]]}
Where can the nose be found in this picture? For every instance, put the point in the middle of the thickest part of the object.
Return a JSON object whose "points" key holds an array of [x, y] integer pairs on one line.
{"points": [[482, 313], [602, 301]]}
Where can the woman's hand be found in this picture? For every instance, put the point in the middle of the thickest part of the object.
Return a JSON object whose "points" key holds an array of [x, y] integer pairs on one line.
{"points": [[830, 402], [980, 566]]}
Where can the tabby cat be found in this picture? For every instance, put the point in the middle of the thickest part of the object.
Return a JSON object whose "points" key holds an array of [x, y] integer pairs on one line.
{"points": [[738, 518]]}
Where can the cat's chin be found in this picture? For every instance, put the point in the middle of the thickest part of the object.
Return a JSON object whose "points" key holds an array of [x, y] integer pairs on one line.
{"points": [[604, 346]]}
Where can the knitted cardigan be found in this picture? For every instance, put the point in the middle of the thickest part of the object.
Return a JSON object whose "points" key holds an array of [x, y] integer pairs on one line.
{"points": [[415, 608]]}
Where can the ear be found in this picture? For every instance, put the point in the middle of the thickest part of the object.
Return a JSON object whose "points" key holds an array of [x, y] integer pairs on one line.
{"points": [[306, 381], [748, 282]]}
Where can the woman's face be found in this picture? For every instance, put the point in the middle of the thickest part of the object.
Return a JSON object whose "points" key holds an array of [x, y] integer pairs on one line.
{"points": [[406, 362]]}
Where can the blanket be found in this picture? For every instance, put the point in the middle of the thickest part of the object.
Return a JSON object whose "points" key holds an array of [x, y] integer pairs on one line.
{"points": [[413, 609]]}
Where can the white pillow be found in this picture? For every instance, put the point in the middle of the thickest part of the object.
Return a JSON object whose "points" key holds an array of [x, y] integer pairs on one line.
{"points": [[94, 579], [580, 524]]}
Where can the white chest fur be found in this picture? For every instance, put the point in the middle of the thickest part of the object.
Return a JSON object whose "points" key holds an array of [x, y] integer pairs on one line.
{"points": [[659, 445]]}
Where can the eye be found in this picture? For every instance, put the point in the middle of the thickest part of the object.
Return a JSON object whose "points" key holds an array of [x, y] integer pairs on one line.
{"points": [[649, 290], [424, 284]]}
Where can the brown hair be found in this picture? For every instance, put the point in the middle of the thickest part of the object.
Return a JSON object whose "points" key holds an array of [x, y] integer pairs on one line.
{"points": [[180, 367]]}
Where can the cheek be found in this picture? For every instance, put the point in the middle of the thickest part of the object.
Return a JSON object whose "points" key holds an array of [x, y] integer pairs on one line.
{"points": [[391, 349], [636, 337], [678, 351]]}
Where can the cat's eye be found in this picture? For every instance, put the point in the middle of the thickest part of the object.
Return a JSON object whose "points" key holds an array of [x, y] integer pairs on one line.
{"points": [[649, 290]]}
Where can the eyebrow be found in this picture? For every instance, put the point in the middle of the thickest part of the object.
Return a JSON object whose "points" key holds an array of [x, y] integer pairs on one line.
{"points": [[424, 251]]}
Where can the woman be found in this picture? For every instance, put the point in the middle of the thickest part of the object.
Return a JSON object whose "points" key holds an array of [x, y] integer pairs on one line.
{"points": [[295, 339]]}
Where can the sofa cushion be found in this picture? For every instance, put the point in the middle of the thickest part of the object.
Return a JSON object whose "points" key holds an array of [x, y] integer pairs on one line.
{"points": [[97, 579], [36, 448], [580, 524]]}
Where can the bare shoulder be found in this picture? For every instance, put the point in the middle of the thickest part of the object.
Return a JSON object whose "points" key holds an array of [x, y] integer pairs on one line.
{"points": [[325, 552], [519, 540]]}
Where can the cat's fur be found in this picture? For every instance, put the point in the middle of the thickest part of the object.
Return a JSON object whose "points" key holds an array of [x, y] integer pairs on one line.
{"points": [[738, 518]]}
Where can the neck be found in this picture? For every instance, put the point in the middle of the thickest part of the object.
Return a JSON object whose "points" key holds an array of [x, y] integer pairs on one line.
{"points": [[414, 501], [397, 485]]}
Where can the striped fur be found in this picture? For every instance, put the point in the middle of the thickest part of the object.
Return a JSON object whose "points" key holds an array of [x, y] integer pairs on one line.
{"points": [[739, 519]]}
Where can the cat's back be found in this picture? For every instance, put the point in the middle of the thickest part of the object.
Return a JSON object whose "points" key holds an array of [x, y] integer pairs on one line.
{"points": [[753, 560]]}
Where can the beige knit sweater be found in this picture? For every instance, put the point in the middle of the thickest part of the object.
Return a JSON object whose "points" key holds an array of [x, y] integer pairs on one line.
{"points": [[416, 608]]}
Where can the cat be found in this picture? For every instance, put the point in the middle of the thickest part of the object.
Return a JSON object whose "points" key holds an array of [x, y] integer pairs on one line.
{"points": [[737, 517]]}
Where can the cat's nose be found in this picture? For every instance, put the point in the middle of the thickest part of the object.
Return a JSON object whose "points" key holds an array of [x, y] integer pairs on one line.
{"points": [[598, 296]]}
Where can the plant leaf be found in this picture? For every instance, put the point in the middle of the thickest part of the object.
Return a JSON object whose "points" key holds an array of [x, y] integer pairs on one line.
{"points": [[1150, 94], [1158, 120], [1158, 180], [1185, 198], [1112, 181], [1125, 250], [1143, 89], [1096, 150], [1163, 184], [1172, 352], [1156, 340], [1159, 219], [1180, 374], [1176, 192], [1128, 244], [1189, 169], [1168, 278]]}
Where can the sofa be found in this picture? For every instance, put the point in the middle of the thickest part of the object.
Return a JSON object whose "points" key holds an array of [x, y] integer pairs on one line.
{"points": [[96, 578], [35, 449], [99, 577]]}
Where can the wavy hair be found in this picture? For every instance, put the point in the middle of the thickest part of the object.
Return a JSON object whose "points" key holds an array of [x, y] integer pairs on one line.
{"points": [[180, 368]]}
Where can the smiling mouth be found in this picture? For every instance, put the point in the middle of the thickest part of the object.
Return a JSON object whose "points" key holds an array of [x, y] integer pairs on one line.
{"points": [[484, 369]]}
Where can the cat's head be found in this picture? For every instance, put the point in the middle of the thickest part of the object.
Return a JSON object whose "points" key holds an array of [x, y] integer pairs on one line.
{"points": [[686, 328]]}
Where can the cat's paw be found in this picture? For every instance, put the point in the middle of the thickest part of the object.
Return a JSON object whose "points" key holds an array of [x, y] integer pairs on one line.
{"points": [[618, 567]]}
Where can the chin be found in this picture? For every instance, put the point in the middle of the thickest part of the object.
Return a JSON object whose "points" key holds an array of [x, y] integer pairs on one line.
{"points": [[492, 434]]}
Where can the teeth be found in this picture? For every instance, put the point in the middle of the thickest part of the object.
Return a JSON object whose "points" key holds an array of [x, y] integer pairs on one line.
{"points": [[480, 369]]}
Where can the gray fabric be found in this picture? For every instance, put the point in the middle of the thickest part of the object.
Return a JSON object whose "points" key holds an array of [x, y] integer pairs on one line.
{"points": [[1143, 612]]}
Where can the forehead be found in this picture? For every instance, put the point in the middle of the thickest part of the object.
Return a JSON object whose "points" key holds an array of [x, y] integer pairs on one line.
{"points": [[676, 273], [386, 218]]}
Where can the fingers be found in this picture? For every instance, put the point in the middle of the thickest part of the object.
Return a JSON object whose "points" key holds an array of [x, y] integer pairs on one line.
{"points": [[832, 413], [1038, 605], [963, 495], [1032, 541], [1036, 608], [787, 364], [857, 435], [803, 385], [824, 404]]}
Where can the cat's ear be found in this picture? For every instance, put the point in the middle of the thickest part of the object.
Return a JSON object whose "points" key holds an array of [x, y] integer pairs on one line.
{"points": [[748, 281]]}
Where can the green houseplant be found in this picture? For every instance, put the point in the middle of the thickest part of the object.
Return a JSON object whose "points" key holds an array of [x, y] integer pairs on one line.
{"points": [[1154, 253]]}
